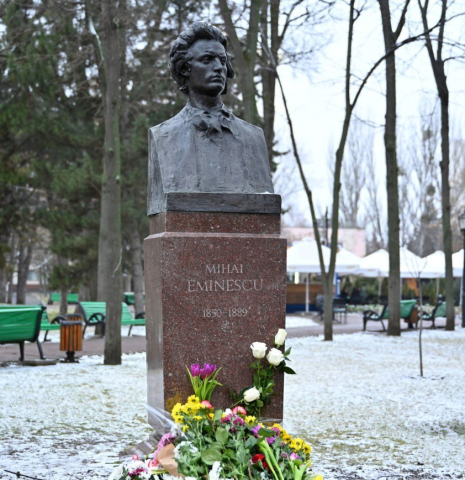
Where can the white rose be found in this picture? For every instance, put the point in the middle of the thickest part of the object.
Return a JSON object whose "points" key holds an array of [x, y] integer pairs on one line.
{"points": [[280, 337], [251, 394], [258, 349], [228, 411], [275, 356]]}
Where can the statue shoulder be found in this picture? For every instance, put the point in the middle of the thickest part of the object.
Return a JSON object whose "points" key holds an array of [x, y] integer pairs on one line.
{"points": [[168, 126], [251, 131]]}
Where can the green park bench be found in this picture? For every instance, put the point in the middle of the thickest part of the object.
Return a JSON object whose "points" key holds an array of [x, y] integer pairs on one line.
{"points": [[407, 308], [55, 297], [46, 325], [440, 311], [94, 314], [19, 325]]}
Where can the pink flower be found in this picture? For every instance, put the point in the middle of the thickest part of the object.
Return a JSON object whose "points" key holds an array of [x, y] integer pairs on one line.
{"points": [[237, 410], [151, 463], [135, 457], [294, 456], [226, 419], [195, 370], [206, 403]]}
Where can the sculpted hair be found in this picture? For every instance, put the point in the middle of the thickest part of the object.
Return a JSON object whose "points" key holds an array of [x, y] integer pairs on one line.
{"points": [[178, 53]]}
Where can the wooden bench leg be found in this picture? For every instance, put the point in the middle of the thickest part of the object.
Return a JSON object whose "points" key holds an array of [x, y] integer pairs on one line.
{"points": [[84, 330], [41, 352], [364, 324], [384, 328], [130, 328], [45, 337], [21, 351]]}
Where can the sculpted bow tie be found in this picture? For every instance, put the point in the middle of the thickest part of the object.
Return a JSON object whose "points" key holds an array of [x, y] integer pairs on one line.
{"points": [[209, 122]]}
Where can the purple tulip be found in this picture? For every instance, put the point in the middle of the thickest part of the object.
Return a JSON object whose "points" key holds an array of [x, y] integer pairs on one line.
{"points": [[294, 456], [207, 370], [195, 370], [271, 440]]}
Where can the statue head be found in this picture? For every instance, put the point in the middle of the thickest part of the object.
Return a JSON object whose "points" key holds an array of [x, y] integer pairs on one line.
{"points": [[201, 47]]}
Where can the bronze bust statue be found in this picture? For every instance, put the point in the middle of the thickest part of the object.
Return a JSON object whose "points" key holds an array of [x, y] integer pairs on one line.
{"points": [[205, 149]]}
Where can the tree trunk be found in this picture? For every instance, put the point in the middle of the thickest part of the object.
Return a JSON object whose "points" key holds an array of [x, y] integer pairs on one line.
{"points": [[137, 269], [12, 263], [110, 254], [391, 174], [63, 290], [437, 65], [445, 194], [245, 58], [268, 74], [328, 308], [24, 261]]}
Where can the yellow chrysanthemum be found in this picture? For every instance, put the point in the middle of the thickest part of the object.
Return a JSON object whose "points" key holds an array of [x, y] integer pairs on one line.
{"points": [[278, 426], [198, 417], [307, 449], [185, 428], [285, 437], [250, 420], [193, 400], [210, 416], [297, 444]]}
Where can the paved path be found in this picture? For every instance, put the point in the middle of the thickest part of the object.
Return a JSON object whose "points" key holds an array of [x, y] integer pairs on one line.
{"points": [[136, 343]]}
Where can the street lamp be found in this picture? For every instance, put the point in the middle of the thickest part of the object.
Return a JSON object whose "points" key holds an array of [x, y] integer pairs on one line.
{"points": [[462, 227]]}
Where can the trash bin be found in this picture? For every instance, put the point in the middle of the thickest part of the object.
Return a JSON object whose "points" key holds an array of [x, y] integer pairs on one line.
{"points": [[71, 336]]}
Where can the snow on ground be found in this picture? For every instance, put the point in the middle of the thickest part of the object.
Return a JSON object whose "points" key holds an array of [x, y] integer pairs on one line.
{"points": [[358, 400], [296, 321]]}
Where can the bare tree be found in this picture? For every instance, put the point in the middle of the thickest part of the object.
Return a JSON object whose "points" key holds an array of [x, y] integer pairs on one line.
{"points": [[245, 56], [391, 38], [457, 157], [354, 174], [438, 62], [420, 220]]}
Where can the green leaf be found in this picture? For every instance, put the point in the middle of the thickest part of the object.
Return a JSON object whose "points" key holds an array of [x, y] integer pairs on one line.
{"points": [[218, 415], [222, 435], [216, 445], [230, 453], [210, 456], [251, 442], [265, 433], [288, 371]]}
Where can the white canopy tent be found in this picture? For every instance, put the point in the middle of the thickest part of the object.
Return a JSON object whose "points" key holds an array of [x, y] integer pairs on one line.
{"points": [[457, 264], [303, 257], [376, 265]]}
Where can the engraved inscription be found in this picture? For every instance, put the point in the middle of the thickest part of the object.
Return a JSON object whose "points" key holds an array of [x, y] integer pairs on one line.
{"points": [[229, 312], [224, 285]]}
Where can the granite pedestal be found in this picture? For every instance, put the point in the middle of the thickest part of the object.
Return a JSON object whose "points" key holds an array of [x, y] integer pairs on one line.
{"points": [[215, 282]]}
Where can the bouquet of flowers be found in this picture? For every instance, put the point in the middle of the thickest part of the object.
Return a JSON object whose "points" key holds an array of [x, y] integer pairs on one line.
{"points": [[203, 380], [210, 444], [258, 396]]}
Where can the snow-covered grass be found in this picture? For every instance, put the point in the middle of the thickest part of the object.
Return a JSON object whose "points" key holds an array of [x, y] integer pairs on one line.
{"points": [[361, 403], [359, 400]]}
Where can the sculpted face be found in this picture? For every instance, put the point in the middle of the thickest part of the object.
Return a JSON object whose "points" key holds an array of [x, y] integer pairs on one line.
{"points": [[208, 69]]}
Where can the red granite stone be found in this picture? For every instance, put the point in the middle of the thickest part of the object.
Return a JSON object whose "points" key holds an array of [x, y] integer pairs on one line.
{"points": [[215, 222], [208, 297]]}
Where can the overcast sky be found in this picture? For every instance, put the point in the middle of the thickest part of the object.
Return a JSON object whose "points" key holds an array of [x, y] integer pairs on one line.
{"points": [[316, 98]]}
